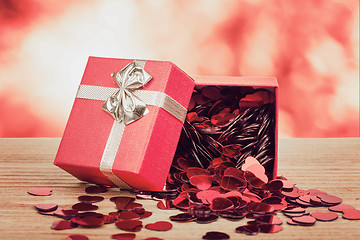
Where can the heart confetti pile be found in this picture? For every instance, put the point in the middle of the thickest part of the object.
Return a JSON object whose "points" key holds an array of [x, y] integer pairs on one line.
{"points": [[127, 217], [232, 194], [235, 194], [222, 169]]}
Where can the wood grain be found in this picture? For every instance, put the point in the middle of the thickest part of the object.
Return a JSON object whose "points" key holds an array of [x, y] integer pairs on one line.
{"points": [[331, 165]]}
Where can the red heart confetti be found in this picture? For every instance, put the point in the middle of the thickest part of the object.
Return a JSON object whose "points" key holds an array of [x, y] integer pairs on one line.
{"points": [[66, 213], [202, 182], [215, 236], [231, 151], [122, 202], [159, 226], [258, 171], [208, 219], [341, 207], [305, 220], [269, 228], [260, 208], [183, 163], [192, 117], [292, 194], [248, 162], [222, 119], [274, 185], [294, 210], [351, 214], [268, 219], [234, 172], [324, 216], [193, 171], [221, 204], [314, 192], [315, 201], [287, 184], [256, 182], [248, 229], [256, 99], [84, 206], [165, 204], [46, 207], [183, 217], [212, 93], [90, 199], [89, 222], [123, 236], [62, 225], [221, 171], [129, 225], [96, 189], [126, 199], [52, 213], [146, 214], [233, 214], [207, 196], [232, 183], [90, 214], [125, 215], [291, 222], [131, 206], [291, 215], [330, 199], [76, 237], [40, 191]]}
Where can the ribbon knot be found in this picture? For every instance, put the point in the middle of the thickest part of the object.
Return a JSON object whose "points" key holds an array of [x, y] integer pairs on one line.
{"points": [[123, 105]]}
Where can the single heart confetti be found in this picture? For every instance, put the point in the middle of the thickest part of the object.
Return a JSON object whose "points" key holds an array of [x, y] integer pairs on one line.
{"points": [[159, 226], [90, 222], [40, 191], [202, 182], [324, 216], [96, 189], [123, 236], [90, 199], [84, 206], [269, 228], [248, 229], [76, 237], [46, 207], [129, 225], [351, 214], [62, 225], [215, 236], [305, 220], [341, 207]]}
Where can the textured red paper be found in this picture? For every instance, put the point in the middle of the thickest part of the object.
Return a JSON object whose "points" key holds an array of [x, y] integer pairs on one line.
{"points": [[269, 83], [147, 146]]}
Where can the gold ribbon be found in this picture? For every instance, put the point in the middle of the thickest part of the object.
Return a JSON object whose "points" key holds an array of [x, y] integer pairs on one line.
{"points": [[127, 104]]}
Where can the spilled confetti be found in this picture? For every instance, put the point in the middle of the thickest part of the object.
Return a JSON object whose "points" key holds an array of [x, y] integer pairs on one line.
{"points": [[222, 169]]}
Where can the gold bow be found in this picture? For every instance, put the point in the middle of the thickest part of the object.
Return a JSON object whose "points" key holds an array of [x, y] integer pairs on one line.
{"points": [[123, 105]]}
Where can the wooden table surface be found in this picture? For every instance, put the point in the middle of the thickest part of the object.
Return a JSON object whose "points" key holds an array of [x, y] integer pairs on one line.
{"points": [[330, 165]]}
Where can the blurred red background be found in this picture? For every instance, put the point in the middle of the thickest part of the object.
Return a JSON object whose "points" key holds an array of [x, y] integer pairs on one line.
{"points": [[311, 46]]}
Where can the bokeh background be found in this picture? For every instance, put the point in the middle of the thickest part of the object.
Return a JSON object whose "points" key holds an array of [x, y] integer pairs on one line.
{"points": [[311, 46]]}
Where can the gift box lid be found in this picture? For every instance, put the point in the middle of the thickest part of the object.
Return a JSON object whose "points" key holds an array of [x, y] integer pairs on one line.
{"points": [[98, 148]]}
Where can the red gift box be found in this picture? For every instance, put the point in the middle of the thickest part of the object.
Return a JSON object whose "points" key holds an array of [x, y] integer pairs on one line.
{"points": [[141, 155], [256, 83]]}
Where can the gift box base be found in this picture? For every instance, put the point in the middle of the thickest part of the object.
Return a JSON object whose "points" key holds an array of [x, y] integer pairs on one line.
{"points": [[212, 93]]}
